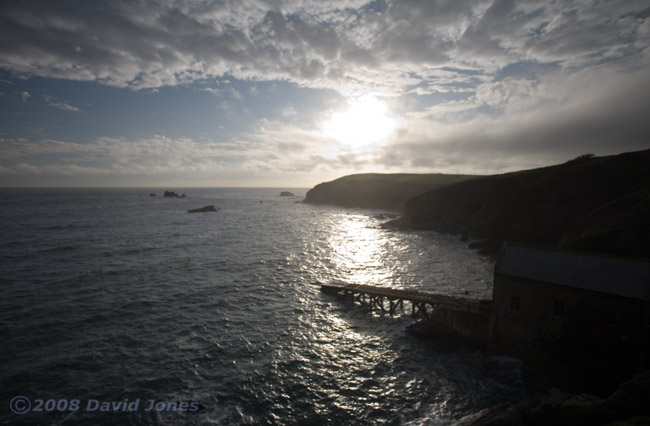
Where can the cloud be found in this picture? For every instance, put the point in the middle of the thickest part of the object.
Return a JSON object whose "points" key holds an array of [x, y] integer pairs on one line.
{"points": [[224, 92], [274, 152], [484, 85], [289, 112], [24, 96], [64, 106], [591, 113], [350, 47]]}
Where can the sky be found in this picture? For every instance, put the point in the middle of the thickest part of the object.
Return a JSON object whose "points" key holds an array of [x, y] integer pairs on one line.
{"points": [[273, 93]]}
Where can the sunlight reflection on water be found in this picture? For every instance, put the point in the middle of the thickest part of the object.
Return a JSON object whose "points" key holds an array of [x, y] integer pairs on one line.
{"points": [[359, 251], [362, 252]]}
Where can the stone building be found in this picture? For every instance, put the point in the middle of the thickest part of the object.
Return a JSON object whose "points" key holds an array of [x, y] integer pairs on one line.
{"points": [[585, 317]]}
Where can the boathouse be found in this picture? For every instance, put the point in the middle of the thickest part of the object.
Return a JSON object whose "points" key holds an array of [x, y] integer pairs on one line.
{"points": [[585, 316]]}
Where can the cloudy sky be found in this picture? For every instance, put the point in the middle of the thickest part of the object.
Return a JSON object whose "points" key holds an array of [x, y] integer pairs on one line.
{"points": [[292, 93]]}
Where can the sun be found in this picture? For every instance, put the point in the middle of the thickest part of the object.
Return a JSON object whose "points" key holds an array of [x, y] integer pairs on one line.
{"points": [[365, 122]]}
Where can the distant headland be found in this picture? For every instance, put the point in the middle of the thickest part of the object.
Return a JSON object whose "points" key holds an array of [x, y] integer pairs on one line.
{"points": [[379, 191], [596, 204]]}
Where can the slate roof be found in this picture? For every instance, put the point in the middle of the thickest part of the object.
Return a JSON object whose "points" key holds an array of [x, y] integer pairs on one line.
{"points": [[611, 275]]}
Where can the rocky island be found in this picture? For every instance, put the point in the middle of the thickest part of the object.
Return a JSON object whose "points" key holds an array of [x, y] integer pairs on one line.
{"points": [[205, 209], [172, 194]]}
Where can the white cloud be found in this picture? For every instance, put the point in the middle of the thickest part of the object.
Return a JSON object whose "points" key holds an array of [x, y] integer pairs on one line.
{"points": [[312, 43], [64, 106], [224, 92]]}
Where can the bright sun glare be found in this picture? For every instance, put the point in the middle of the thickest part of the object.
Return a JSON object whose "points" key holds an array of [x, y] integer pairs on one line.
{"points": [[365, 122]]}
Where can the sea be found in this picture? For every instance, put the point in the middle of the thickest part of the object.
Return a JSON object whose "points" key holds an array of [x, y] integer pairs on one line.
{"points": [[119, 307]]}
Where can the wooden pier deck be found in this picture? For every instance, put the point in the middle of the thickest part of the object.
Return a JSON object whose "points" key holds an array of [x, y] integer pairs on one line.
{"points": [[423, 304]]}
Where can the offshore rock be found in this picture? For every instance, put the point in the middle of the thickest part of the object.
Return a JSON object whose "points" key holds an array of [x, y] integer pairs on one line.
{"points": [[205, 209], [399, 223], [384, 216], [172, 194], [487, 247], [286, 194]]}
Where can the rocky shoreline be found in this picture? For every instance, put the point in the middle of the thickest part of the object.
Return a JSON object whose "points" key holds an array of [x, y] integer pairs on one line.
{"points": [[628, 406]]}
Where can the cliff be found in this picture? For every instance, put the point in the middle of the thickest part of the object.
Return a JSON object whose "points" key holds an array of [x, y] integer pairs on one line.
{"points": [[379, 191], [599, 204]]}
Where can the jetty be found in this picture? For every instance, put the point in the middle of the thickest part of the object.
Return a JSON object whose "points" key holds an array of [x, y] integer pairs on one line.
{"points": [[423, 304], [461, 316]]}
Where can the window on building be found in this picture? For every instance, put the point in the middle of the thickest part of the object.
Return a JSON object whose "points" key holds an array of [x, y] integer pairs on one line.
{"points": [[514, 303], [558, 308]]}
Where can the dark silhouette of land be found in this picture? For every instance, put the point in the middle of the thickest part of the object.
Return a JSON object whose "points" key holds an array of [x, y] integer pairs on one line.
{"points": [[596, 204], [377, 190]]}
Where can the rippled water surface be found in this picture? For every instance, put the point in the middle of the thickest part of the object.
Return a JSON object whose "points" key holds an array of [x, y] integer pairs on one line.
{"points": [[110, 295]]}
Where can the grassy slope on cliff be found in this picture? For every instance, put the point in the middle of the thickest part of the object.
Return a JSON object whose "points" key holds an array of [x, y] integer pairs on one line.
{"points": [[377, 190], [594, 204]]}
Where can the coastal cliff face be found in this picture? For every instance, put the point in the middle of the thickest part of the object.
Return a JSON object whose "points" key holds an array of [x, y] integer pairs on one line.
{"points": [[378, 191], [592, 204]]}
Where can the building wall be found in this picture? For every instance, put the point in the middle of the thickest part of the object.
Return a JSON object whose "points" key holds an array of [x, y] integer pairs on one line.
{"points": [[471, 326], [573, 331]]}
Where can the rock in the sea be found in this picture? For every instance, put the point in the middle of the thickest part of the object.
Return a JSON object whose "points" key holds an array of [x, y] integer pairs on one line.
{"points": [[286, 194], [399, 223], [152, 195], [205, 209], [384, 216], [172, 194]]}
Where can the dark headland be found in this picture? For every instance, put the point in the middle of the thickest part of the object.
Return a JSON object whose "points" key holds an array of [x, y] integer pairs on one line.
{"points": [[595, 204], [379, 191]]}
